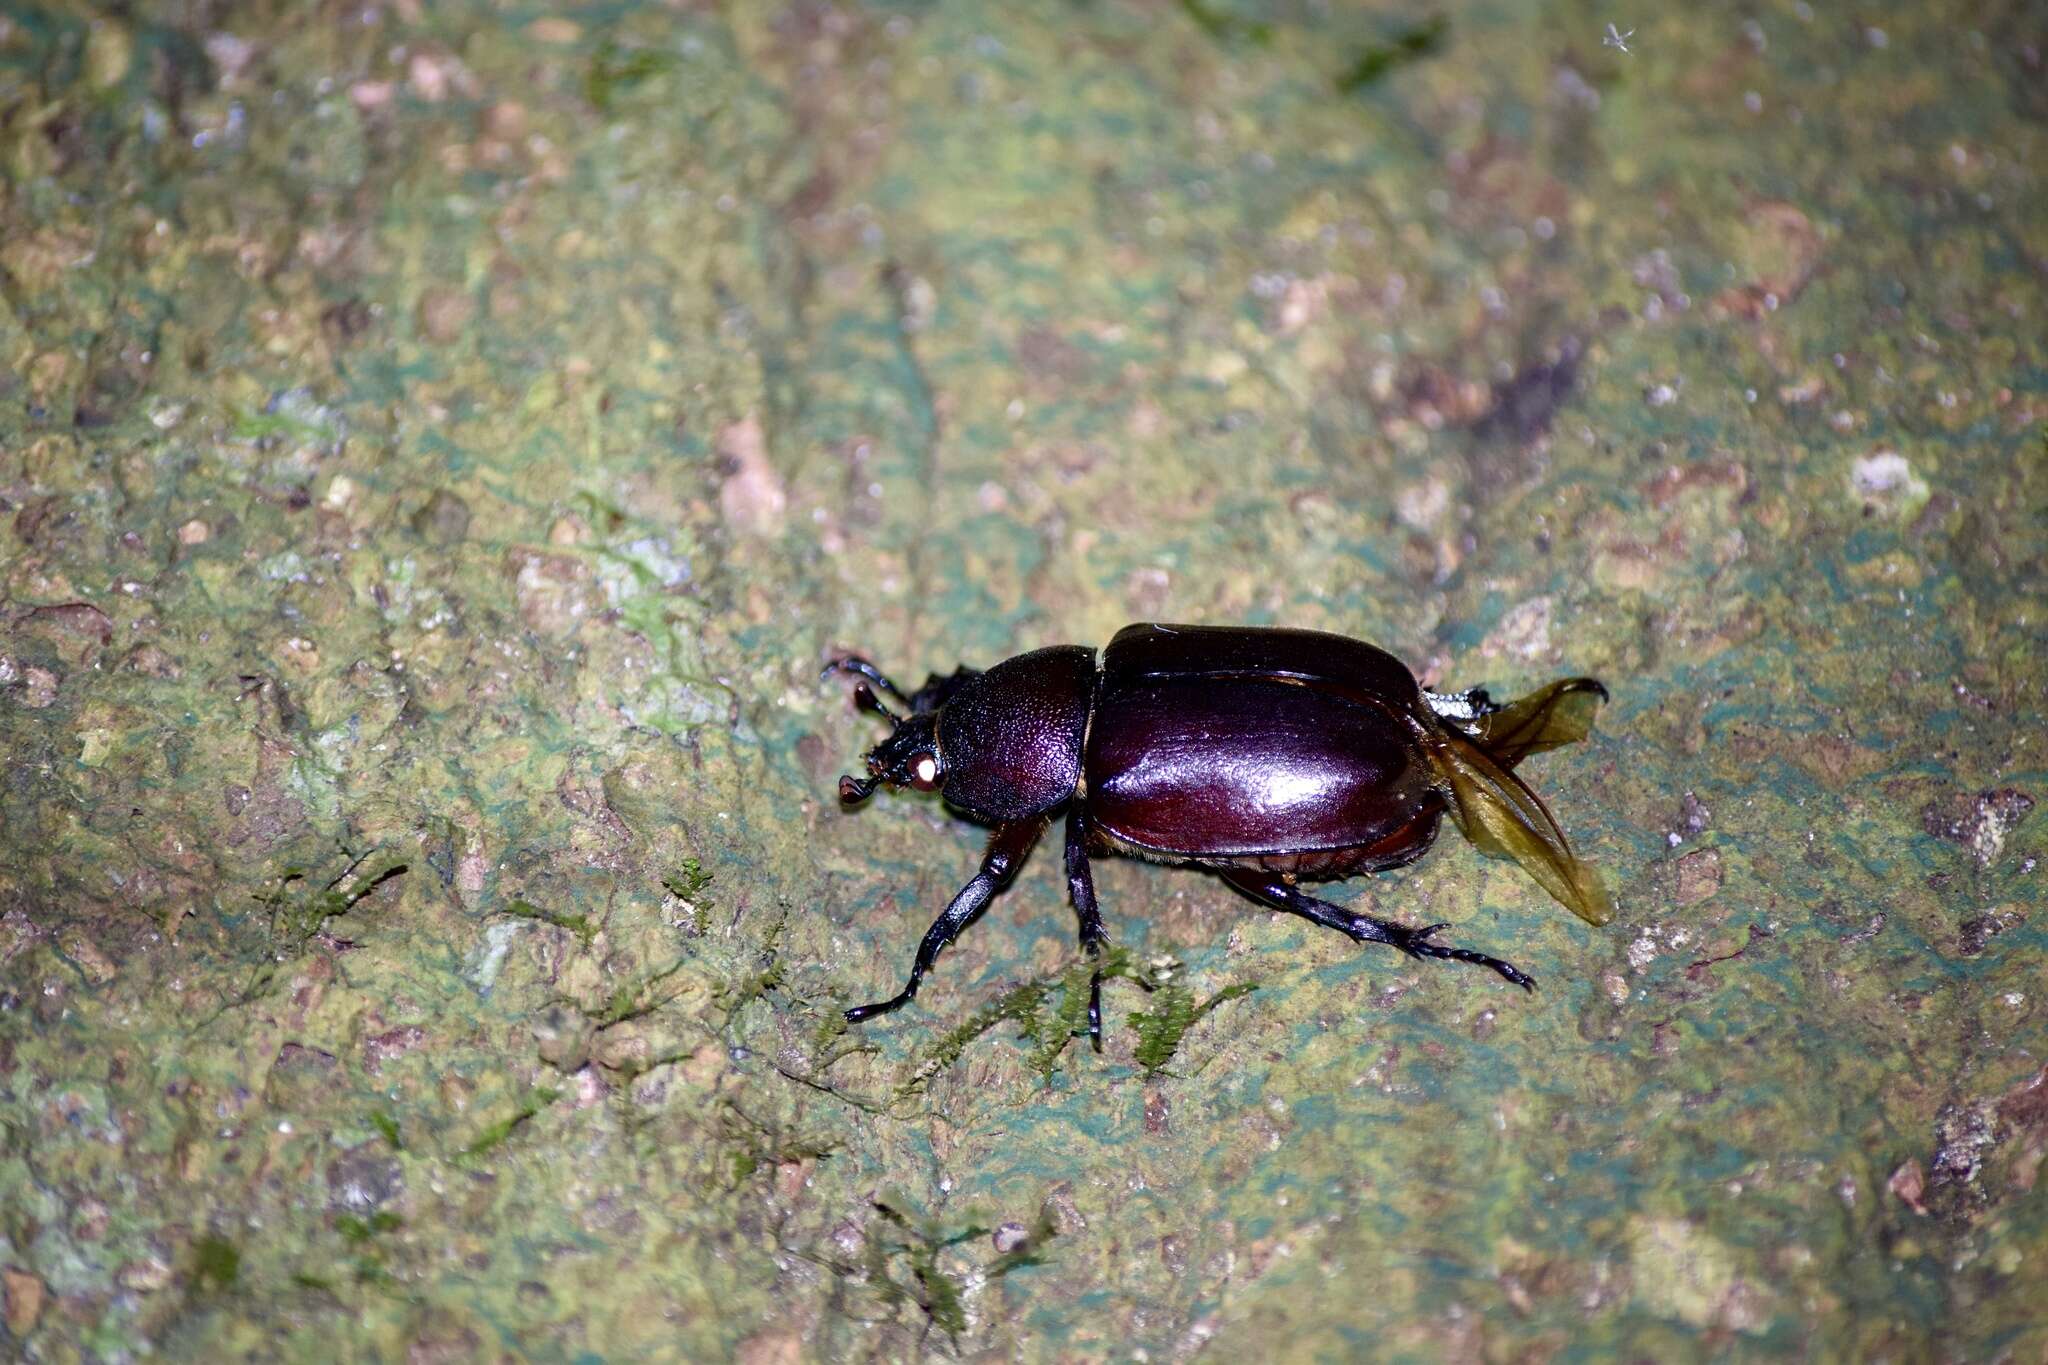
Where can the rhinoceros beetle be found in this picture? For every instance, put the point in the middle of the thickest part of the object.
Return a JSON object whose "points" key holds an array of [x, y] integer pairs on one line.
{"points": [[1268, 756]]}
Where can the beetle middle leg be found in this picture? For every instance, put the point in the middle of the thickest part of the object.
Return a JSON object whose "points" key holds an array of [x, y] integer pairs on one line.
{"points": [[1276, 892], [1005, 852], [1081, 883]]}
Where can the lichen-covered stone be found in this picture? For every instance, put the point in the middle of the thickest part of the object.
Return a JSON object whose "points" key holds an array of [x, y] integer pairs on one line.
{"points": [[438, 452]]}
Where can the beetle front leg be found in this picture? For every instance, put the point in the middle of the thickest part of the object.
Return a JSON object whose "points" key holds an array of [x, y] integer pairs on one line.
{"points": [[1005, 852], [1081, 883], [1276, 892]]}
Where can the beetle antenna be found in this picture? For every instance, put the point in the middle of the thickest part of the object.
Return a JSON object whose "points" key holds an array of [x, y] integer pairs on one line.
{"points": [[864, 697], [854, 790], [857, 665]]}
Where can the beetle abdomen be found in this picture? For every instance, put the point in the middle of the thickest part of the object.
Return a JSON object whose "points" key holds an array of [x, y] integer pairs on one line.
{"points": [[1188, 768]]}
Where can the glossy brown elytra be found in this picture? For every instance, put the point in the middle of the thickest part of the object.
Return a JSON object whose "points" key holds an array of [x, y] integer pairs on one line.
{"points": [[1267, 756]]}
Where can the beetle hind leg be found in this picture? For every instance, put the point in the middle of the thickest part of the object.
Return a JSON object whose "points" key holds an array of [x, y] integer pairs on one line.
{"points": [[1417, 943]]}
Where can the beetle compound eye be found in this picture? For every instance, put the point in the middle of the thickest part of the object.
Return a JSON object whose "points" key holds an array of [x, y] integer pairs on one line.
{"points": [[924, 772]]}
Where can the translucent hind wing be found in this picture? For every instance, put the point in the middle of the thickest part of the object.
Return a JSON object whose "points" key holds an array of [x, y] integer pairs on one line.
{"points": [[1501, 817], [1561, 713]]}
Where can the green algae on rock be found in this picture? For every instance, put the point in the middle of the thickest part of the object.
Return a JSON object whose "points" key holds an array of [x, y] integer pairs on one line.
{"points": [[462, 433]]}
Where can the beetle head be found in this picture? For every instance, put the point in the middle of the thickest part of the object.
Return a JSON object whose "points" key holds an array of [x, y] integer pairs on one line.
{"points": [[909, 757], [1003, 744]]}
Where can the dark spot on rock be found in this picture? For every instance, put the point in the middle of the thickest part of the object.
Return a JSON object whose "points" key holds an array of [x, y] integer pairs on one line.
{"points": [[1157, 1111], [153, 662], [1963, 1136], [79, 620], [392, 1043], [819, 760], [1933, 515], [1980, 823], [1048, 355], [347, 320], [812, 197], [1523, 407], [443, 518], [300, 1076], [1693, 816], [1975, 933], [2025, 1106]]}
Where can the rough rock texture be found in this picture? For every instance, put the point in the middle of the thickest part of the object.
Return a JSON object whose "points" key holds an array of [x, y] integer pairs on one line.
{"points": [[440, 443]]}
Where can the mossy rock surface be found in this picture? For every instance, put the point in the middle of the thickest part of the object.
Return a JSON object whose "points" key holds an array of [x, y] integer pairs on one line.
{"points": [[450, 438]]}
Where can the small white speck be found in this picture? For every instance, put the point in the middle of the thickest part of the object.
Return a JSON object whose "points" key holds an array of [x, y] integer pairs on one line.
{"points": [[1617, 38]]}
